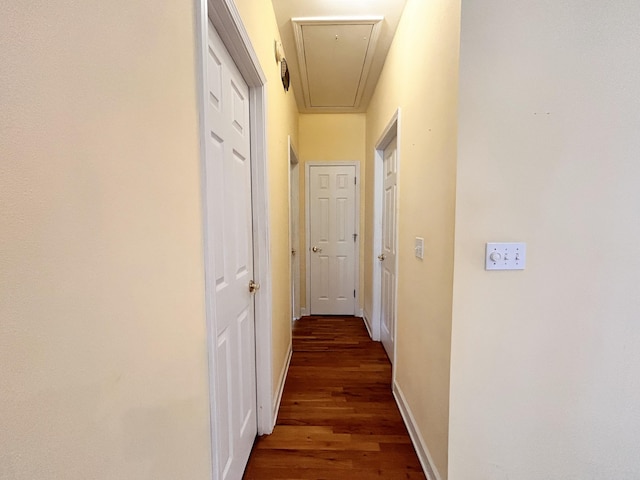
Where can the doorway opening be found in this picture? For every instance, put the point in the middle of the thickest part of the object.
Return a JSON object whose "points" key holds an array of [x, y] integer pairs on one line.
{"points": [[386, 182], [332, 237], [224, 19], [294, 229]]}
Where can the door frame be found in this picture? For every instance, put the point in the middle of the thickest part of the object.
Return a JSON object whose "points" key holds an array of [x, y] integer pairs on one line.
{"points": [[227, 22], [307, 205], [391, 131], [294, 208]]}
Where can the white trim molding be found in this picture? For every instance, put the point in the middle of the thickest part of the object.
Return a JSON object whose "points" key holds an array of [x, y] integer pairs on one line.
{"points": [[277, 398], [367, 322], [226, 19], [428, 467]]}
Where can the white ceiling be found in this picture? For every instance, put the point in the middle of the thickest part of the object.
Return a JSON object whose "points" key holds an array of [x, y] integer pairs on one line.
{"points": [[342, 56]]}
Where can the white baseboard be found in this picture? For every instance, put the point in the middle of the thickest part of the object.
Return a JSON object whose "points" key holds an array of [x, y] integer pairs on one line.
{"points": [[283, 377], [367, 323], [419, 444]]}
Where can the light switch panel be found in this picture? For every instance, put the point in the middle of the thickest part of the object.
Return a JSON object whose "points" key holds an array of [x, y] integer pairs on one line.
{"points": [[419, 247], [505, 256]]}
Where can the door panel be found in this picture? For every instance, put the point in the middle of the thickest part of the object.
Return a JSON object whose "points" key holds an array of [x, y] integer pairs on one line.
{"points": [[332, 225], [230, 243], [224, 402], [389, 248]]}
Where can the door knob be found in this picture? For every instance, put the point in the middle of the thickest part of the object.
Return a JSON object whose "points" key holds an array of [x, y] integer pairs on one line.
{"points": [[381, 257], [253, 286], [316, 249], [293, 252]]}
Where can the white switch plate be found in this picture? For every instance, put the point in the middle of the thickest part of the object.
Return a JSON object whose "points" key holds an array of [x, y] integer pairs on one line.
{"points": [[505, 256], [419, 247]]}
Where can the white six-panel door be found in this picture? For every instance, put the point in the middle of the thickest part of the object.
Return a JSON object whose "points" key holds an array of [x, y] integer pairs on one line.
{"points": [[332, 226], [389, 247], [230, 246]]}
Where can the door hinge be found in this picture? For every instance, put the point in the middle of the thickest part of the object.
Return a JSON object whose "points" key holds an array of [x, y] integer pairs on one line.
{"points": [[355, 236], [355, 180], [354, 294]]}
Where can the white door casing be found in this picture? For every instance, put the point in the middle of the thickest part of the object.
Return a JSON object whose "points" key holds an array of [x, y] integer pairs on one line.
{"points": [[294, 229], [388, 254], [332, 238], [229, 232], [390, 133]]}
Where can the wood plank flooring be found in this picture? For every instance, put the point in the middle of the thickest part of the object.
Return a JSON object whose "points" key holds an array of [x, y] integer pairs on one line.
{"points": [[338, 418]]}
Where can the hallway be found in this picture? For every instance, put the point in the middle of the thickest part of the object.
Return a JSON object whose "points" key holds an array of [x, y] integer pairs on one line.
{"points": [[338, 418]]}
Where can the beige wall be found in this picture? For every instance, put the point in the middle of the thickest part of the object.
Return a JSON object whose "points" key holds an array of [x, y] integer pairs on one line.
{"points": [[330, 138], [545, 361], [282, 120], [103, 353], [420, 77]]}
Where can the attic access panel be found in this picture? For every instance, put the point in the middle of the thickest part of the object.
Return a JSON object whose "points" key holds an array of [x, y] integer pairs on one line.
{"points": [[335, 56]]}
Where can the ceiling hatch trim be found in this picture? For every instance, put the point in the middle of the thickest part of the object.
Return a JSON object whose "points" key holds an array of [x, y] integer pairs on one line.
{"points": [[335, 50]]}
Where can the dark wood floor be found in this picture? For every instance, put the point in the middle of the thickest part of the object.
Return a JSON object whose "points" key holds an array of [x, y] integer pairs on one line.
{"points": [[338, 418]]}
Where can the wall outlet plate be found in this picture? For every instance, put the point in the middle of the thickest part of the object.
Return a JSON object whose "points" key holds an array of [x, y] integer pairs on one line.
{"points": [[505, 256]]}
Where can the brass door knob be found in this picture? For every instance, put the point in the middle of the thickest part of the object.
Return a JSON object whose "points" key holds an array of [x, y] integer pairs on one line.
{"points": [[316, 249], [253, 286]]}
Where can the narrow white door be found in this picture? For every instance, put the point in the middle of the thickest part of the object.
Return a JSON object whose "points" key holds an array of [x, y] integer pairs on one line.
{"points": [[294, 225], [332, 239], [388, 255], [230, 246]]}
